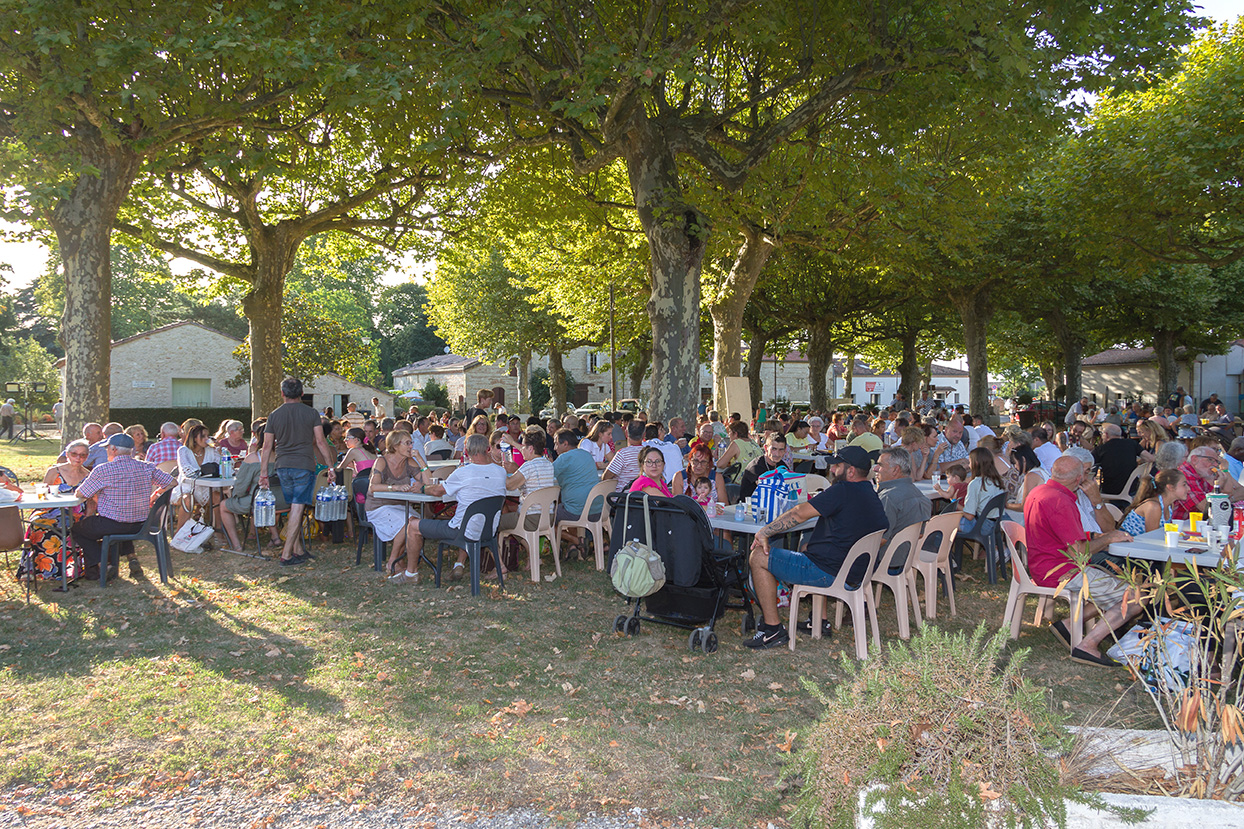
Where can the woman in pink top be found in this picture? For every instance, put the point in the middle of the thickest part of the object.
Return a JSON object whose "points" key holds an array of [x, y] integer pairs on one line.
{"points": [[651, 473]]}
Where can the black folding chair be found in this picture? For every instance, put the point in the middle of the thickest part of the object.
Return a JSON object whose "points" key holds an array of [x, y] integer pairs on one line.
{"points": [[990, 542], [490, 510], [152, 530], [364, 528]]}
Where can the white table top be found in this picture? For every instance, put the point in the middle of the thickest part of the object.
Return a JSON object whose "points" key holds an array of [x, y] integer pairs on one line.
{"points": [[1151, 546], [443, 464], [53, 501], [214, 483], [424, 498], [727, 522]]}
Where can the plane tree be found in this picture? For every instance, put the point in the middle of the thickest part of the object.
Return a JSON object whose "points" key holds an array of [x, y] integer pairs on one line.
{"points": [[90, 91], [660, 85]]}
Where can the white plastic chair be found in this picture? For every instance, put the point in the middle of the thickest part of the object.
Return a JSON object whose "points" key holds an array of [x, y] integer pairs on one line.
{"points": [[931, 565], [902, 583], [859, 600], [598, 526], [1022, 585], [535, 521]]}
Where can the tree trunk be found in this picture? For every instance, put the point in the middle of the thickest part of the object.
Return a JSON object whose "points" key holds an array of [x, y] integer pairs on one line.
{"points": [[909, 368], [83, 221], [820, 358], [1168, 369], [1051, 378], [557, 381], [262, 305], [677, 236], [524, 380], [726, 310], [1072, 346], [975, 311], [756, 348], [848, 379], [643, 358]]}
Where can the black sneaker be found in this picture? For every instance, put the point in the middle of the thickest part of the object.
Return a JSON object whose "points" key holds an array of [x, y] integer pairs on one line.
{"points": [[293, 561], [827, 630], [764, 639]]}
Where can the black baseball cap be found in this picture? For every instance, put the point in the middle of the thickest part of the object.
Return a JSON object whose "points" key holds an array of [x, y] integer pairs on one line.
{"points": [[855, 456]]}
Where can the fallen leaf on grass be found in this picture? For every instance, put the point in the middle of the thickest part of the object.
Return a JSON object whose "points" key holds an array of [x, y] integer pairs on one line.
{"points": [[987, 792], [785, 746], [748, 674], [775, 686]]}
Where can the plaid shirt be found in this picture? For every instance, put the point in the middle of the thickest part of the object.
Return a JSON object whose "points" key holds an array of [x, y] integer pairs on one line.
{"points": [[164, 449], [124, 487]]}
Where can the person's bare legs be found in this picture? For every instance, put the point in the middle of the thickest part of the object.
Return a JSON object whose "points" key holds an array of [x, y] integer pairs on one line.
{"points": [[293, 530], [766, 587], [397, 551], [1124, 611], [230, 525]]}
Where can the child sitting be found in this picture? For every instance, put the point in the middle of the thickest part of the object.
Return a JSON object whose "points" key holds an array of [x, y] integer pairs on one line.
{"points": [[704, 494], [957, 483]]}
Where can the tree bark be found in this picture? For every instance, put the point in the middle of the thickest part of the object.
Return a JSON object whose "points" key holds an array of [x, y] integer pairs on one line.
{"points": [[524, 380], [677, 236], [820, 358], [756, 348], [83, 221], [1072, 346], [1168, 369], [726, 310], [557, 381], [909, 368], [848, 378], [643, 358], [273, 256], [975, 310], [1051, 378]]}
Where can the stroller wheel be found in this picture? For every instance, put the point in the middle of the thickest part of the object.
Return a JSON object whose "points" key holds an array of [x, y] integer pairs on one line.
{"points": [[709, 642], [619, 623], [632, 626], [693, 641]]}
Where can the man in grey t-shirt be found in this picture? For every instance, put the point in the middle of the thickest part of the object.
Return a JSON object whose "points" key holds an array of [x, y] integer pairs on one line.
{"points": [[293, 430]]}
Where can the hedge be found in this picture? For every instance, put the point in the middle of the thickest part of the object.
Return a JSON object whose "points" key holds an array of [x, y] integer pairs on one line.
{"points": [[152, 419]]}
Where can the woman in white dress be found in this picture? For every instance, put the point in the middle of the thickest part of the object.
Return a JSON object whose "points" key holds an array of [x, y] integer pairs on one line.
{"points": [[191, 455]]}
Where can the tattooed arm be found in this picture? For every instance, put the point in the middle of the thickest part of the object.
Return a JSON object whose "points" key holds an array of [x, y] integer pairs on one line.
{"points": [[788, 520]]}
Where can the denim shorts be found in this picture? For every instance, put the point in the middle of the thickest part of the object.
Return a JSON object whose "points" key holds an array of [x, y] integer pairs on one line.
{"points": [[298, 485], [795, 568]]}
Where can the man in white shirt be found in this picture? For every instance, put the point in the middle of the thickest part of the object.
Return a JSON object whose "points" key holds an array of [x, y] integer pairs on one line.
{"points": [[669, 451], [1046, 451], [1075, 410], [377, 411], [476, 479], [420, 436]]}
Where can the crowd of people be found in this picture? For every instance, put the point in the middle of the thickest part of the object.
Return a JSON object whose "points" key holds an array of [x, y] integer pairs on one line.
{"points": [[1155, 461]]}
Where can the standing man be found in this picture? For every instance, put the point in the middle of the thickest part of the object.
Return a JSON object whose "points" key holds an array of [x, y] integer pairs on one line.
{"points": [[376, 409], [7, 413], [58, 411], [294, 431], [122, 487], [482, 406]]}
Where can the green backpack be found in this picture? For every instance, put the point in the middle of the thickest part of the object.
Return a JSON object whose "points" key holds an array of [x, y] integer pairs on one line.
{"points": [[637, 570]]}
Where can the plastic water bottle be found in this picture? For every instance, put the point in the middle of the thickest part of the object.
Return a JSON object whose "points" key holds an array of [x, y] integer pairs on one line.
{"points": [[226, 465], [342, 502], [265, 508], [322, 506], [738, 512]]}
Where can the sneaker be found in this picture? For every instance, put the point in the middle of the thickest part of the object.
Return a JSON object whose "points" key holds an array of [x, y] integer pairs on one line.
{"points": [[136, 569], [827, 630], [400, 577], [293, 561], [764, 639], [456, 573]]}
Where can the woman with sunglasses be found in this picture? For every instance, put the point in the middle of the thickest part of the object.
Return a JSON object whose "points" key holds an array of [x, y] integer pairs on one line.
{"points": [[42, 556]]}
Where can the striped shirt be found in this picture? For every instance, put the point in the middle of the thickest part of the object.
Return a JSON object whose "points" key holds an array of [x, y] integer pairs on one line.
{"points": [[124, 488]]}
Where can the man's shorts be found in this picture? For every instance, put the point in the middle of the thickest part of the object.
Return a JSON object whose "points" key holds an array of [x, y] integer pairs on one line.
{"points": [[1104, 590], [795, 568], [298, 485], [433, 529]]}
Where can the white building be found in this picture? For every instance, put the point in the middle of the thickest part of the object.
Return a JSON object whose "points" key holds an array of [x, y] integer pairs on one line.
{"points": [[186, 364], [1132, 374]]}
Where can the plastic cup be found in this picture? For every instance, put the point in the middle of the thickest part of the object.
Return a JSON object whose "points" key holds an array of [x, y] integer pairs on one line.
{"points": [[1193, 519], [1172, 539], [721, 508]]}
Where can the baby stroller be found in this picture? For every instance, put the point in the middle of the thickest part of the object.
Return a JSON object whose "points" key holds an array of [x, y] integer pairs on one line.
{"points": [[699, 575]]}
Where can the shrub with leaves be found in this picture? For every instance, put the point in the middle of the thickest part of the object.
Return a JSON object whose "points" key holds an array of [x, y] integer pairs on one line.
{"points": [[950, 730]]}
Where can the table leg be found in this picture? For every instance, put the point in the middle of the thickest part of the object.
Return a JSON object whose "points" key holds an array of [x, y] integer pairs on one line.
{"points": [[62, 530]]}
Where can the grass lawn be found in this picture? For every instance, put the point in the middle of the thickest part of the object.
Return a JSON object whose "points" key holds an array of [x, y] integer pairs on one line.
{"points": [[325, 680]]}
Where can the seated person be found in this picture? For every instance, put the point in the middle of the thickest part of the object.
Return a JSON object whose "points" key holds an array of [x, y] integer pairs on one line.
{"points": [[1155, 502], [846, 512], [436, 442], [241, 500], [651, 478], [742, 451], [1052, 526], [396, 471], [774, 456], [42, 556], [195, 451], [956, 484], [535, 474], [700, 465], [576, 473], [478, 478]]}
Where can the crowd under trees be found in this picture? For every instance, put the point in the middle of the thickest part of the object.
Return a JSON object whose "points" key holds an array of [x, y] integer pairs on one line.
{"points": [[1020, 183]]}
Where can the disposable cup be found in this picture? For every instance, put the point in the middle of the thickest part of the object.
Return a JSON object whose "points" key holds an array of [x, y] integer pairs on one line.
{"points": [[1193, 519], [1172, 539]]}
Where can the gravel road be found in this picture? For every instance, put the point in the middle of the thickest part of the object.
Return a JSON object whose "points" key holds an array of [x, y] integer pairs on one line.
{"points": [[32, 808]]}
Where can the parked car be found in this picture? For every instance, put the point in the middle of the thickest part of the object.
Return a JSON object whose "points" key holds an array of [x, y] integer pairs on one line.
{"points": [[629, 404], [590, 408]]}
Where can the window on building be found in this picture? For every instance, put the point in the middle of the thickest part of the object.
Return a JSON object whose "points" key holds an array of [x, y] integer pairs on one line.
{"points": [[593, 362], [191, 392], [874, 399]]}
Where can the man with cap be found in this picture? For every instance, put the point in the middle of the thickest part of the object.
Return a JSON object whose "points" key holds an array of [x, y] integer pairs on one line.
{"points": [[7, 413], [122, 488], [846, 512]]}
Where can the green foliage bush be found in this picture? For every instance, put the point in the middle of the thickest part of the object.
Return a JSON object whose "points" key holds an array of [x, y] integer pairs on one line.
{"points": [[949, 729], [436, 393]]}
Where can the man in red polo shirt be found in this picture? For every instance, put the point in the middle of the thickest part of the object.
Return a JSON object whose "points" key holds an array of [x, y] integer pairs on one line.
{"points": [[1051, 527]]}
